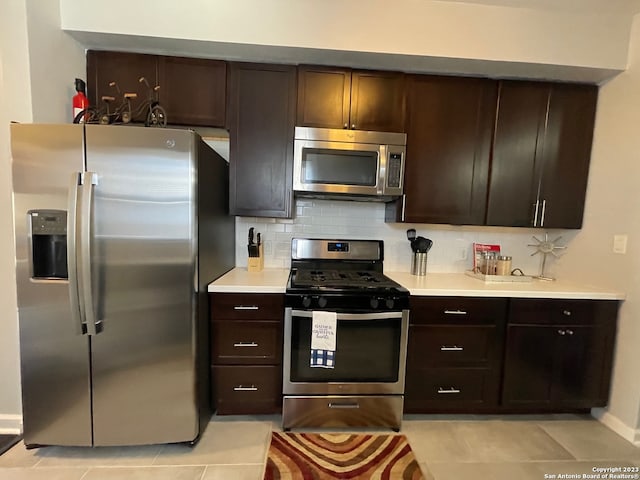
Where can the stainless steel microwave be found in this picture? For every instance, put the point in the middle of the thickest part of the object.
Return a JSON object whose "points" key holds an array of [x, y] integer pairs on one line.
{"points": [[348, 162]]}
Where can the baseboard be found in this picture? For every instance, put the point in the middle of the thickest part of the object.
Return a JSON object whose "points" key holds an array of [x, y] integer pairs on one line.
{"points": [[10, 424], [617, 425]]}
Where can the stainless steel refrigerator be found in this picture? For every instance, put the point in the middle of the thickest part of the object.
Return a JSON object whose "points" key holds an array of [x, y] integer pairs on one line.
{"points": [[118, 230]]}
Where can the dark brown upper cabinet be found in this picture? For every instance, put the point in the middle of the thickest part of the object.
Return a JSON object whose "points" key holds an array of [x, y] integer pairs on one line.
{"points": [[193, 90], [332, 97], [541, 154], [261, 118], [125, 69], [449, 131]]}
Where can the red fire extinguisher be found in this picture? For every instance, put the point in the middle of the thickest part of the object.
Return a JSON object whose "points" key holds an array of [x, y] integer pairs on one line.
{"points": [[80, 102]]}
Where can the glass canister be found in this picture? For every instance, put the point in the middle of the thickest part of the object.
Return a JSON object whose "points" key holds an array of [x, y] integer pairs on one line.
{"points": [[490, 263], [503, 265]]}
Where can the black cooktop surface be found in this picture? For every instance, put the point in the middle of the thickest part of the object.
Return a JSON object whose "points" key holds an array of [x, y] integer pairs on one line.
{"points": [[336, 280]]}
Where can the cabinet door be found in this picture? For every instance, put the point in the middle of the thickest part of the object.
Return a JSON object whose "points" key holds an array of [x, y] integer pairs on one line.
{"points": [[324, 97], [377, 101], [529, 365], [449, 127], [581, 367], [125, 69], [517, 153], [192, 90], [566, 155], [261, 108]]}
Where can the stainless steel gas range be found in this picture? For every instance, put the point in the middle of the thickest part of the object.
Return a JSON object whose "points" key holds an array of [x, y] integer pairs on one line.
{"points": [[345, 338]]}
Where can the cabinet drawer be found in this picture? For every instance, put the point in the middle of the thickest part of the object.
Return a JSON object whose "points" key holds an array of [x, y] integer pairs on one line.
{"points": [[450, 387], [457, 310], [552, 311], [244, 306], [247, 390], [443, 346], [246, 342]]}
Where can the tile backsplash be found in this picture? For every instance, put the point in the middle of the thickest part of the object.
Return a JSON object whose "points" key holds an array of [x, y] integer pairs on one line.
{"points": [[452, 245]]}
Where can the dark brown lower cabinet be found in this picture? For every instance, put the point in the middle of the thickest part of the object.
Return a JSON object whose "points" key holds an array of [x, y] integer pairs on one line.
{"points": [[559, 353], [454, 354], [246, 353]]}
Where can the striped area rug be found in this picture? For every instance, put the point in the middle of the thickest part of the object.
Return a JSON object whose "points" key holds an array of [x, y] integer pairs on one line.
{"points": [[311, 456]]}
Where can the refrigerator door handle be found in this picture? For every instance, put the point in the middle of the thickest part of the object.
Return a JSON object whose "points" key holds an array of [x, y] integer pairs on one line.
{"points": [[90, 179], [77, 314]]}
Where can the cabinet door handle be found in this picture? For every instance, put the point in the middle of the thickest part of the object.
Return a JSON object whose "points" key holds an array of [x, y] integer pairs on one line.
{"points": [[246, 307], [455, 312], [241, 388], [569, 332], [535, 213], [562, 332], [442, 390], [544, 208], [454, 348], [353, 126], [566, 313], [346, 125], [245, 344]]}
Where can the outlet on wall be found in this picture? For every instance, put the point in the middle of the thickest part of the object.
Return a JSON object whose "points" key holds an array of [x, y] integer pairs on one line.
{"points": [[620, 244]]}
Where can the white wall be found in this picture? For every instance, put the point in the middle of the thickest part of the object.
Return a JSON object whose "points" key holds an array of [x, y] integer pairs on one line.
{"points": [[15, 104], [34, 86], [418, 35], [613, 207]]}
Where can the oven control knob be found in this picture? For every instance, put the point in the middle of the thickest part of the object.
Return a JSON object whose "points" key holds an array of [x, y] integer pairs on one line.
{"points": [[389, 303], [322, 302], [306, 302], [374, 303]]}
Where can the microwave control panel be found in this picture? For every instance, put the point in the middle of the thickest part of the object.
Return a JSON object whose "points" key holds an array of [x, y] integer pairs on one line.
{"points": [[394, 170]]}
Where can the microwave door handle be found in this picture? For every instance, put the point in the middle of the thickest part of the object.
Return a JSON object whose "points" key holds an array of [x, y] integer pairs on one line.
{"points": [[383, 154]]}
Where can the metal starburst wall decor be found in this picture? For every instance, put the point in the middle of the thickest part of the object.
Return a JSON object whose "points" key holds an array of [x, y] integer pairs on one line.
{"points": [[546, 247]]}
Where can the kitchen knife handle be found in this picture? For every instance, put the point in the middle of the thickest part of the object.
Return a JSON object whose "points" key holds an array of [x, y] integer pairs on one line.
{"points": [[89, 180], [72, 261]]}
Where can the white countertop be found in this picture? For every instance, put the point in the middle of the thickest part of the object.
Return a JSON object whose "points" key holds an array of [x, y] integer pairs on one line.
{"points": [[460, 284], [274, 280], [238, 280]]}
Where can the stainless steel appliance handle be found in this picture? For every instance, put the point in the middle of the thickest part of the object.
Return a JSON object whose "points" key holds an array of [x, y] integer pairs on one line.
{"points": [[72, 262], [352, 316], [343, 405], [89, 180]]}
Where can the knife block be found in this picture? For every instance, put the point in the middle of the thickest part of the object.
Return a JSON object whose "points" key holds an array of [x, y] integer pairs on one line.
{"points": [[256, 264]]}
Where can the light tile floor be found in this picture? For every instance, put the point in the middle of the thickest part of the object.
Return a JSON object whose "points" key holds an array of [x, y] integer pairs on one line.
{"points": [[447, 447]]}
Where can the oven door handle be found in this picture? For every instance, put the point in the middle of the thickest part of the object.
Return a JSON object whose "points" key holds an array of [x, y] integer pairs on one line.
{"points": [[351, 316]]}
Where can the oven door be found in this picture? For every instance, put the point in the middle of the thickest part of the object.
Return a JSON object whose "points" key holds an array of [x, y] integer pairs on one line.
{"points": [[370, 356]]}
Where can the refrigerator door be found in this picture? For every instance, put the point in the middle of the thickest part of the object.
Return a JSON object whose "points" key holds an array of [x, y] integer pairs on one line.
{"points": [[54, 355], [143, 256]]}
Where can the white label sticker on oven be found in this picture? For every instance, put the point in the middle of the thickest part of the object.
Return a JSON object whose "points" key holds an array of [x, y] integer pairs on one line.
{"points": [[323, 330]]}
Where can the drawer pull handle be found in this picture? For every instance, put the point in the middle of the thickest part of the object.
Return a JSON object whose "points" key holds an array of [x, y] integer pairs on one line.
{"points": [[454, 348], [455, 312], [240, 388], [449, 390], [566, 312], [343, 405], [246, 307], [245, 344]]}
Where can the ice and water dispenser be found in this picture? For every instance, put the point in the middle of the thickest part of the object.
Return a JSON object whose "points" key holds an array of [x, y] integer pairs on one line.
{"points": [[49, 244]]}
